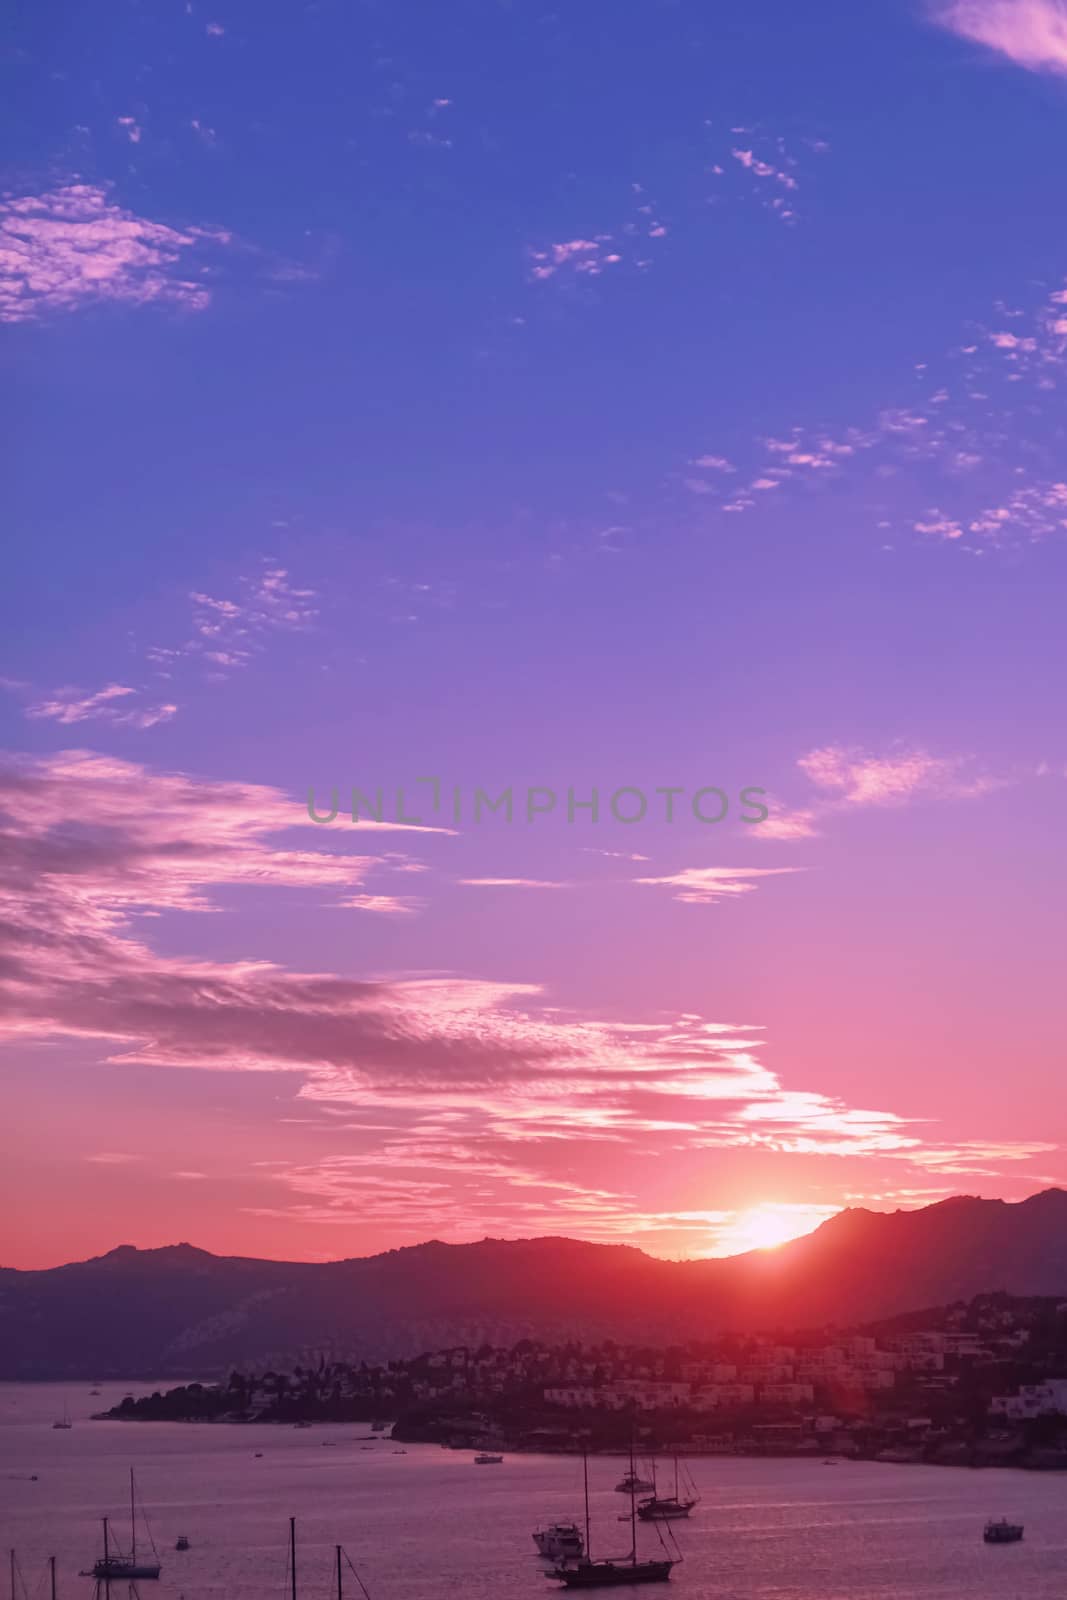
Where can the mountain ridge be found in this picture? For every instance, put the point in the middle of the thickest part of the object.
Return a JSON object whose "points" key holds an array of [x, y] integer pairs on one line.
{"points": [[177, 1310]]}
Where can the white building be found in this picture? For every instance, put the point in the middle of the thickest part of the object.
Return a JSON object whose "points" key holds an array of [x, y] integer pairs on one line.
{"points": [[1033, 1400], [786, 1394]]}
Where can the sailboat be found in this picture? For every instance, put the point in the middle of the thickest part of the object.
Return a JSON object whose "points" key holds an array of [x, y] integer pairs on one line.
{"points": [[342, 1556], [121, 1567], [64, 1421], [18, 1581], [667, 1508], [590, 1574]]}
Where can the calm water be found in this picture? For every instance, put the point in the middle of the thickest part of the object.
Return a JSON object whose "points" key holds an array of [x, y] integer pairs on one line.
{"points": [[428, 1523]]}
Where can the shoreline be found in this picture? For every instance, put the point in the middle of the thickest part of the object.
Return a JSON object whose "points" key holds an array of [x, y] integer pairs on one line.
{"points": [[826, 1457]]}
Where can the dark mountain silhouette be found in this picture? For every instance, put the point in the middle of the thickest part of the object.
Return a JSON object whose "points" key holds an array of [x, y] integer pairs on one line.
{"points": [[179, 1311]]}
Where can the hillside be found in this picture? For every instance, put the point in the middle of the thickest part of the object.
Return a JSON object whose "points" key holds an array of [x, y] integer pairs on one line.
{"points": [[179, 1311]]}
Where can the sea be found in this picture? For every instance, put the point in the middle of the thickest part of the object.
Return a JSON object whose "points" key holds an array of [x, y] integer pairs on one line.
{"points": [[418, 1522]]}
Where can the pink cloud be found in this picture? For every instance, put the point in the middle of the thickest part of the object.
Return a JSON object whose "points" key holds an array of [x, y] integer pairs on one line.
{"points": [[705, 886], [104, 705], [1032, 33], [512, 883], [74, 246], [857, 778], [389, 905]]}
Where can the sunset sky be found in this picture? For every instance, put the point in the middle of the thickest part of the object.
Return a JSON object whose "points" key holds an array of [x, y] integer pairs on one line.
{"points": [[626, 394]]}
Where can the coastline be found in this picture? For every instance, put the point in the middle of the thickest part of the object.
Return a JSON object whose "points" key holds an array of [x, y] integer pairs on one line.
{"points": [[958, 1457]]}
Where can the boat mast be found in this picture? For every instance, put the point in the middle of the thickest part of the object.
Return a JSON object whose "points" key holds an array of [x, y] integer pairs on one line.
{"points": [[133, 1522], [585, 1481], [292, 1556], [52, 1576], [339, 1573], [107, 1565], [633, 1503], [12, 1575]]}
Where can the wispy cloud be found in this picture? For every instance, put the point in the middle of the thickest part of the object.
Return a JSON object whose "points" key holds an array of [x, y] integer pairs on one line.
{"points": [[513, 883], [705, 886], [768, 166], [849, 778], [858, 778], [592, 254], [1032, 33], [228, 631], [613, 855], [389, 905], [74, 246], [109, 704]]}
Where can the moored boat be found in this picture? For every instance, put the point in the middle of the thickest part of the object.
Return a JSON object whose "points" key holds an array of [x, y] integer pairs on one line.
{"points": [[670, 1507], [560, 1541], [605, 1574], [115, 1567], [664, 1508], [633, 1483], [1002, 1531], [486, 1460]]}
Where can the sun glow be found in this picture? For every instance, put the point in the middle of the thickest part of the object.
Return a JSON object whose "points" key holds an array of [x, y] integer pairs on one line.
{"points": [[764, 1226]]}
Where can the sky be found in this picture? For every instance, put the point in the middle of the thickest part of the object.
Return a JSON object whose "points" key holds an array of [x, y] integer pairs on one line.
{"points": [[448, 402]]}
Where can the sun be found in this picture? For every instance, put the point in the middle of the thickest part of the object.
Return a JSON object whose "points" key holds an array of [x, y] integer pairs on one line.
{"points": [[764, 1226]]}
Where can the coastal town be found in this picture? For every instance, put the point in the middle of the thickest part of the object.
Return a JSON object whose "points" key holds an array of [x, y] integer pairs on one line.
{"points": [[976, 1384]]}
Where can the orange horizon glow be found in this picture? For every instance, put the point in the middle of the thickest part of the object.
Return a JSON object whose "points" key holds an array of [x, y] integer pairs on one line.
{"points": [[767, 1225]]}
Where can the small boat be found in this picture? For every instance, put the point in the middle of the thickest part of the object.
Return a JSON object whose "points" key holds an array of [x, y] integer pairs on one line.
{"points": [[1002, 1532], [259, 1455], [633, 1483], [181, 1543], [485, 1460], [377, 1427], [64, 1421], [560, 1541], [301, 1424]]}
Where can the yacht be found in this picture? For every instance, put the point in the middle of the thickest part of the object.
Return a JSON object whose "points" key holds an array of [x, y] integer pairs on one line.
{"points": [[560, 1541], [1002, 1532], [633, 1483], [486, 1460]]}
